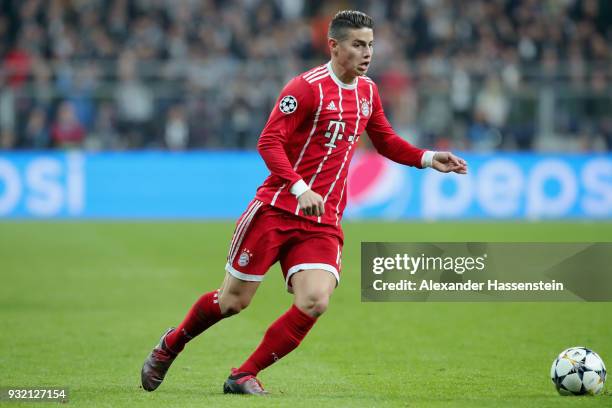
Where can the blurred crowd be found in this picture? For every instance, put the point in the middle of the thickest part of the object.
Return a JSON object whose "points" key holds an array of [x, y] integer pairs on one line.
{"points": [[180, 74]]}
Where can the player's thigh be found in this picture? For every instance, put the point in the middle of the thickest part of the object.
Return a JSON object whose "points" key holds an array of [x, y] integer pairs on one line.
{"points": [[313, 285], [238, 289], [312, 290]]}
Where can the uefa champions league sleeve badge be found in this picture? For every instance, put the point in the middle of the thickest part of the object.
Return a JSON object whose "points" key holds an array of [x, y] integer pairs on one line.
{"points": [[288, 104]]}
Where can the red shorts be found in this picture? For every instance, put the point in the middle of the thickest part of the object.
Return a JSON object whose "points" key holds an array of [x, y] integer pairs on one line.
{"points": [[265, 235]]}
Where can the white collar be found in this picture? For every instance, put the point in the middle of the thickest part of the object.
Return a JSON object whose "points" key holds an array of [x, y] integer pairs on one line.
{"points": [[338, 81]]}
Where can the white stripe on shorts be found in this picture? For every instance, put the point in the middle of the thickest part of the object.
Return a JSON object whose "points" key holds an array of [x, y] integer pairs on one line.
{"points": [[241, 230], [245, 215], [243, 276]]}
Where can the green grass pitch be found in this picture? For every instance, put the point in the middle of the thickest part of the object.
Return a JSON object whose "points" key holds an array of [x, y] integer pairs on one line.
{"points": [[81, 305]]}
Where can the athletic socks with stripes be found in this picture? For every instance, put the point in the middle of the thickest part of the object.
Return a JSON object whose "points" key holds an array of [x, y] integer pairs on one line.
{"points": [[204, 313], [281, 338]]}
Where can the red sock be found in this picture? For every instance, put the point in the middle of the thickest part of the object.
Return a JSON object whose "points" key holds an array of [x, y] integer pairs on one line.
{"points": [[203, 314], [284, 335]]}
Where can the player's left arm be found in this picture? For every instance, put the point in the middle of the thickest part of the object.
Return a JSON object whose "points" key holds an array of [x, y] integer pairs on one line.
{"points": [[393, 147]]}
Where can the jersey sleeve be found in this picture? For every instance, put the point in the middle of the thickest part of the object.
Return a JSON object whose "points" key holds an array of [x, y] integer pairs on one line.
{"points": [[294, 105], [386, 141]]}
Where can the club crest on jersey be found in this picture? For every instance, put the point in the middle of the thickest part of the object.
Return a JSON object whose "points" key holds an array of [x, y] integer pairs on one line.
{"points": [[365, 107], [245, 258], [288, 104]]}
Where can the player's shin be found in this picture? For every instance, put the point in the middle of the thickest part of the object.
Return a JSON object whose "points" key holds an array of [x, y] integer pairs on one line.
{"points": [[204, 313], [282, 337]]}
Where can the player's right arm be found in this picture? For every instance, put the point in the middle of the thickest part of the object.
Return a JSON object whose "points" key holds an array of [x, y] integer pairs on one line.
{"points": [[295, 105]]}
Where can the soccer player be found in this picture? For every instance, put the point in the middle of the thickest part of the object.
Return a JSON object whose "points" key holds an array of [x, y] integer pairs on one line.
{"points": [[307, 144]]}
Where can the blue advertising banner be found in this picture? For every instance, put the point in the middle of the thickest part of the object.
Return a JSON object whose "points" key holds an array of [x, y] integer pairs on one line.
{"points": [[213, 185], [498, 186]]}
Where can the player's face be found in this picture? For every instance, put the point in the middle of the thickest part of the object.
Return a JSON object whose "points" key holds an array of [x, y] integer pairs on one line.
{"points": [[354, 53]]}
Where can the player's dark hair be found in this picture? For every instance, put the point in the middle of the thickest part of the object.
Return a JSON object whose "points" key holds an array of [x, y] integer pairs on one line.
{"points": [[348, 19]]}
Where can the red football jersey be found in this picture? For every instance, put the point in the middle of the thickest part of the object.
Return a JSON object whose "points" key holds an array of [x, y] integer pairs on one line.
{"points": [[311, 135]]}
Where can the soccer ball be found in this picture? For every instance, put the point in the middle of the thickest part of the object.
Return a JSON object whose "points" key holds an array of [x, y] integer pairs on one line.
{"points": [[578, 371]]}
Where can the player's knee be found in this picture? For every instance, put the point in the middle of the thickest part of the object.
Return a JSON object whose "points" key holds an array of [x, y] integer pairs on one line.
{"points": [[319, 307], [231, 305], [314, 304]]}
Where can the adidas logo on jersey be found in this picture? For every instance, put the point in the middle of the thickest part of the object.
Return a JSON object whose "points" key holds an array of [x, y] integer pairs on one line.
{"points": [[331, 106]]}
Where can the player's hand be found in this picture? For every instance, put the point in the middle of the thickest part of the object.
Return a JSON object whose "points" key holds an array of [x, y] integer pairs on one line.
{"points": [[447, 162], [311, 203]]}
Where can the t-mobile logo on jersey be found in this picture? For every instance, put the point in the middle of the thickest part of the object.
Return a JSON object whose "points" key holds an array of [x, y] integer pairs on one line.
{"points": [[336, 134]]}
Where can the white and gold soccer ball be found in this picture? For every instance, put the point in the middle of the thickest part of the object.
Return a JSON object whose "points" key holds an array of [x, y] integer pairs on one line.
{"points": [[578, 371]]}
